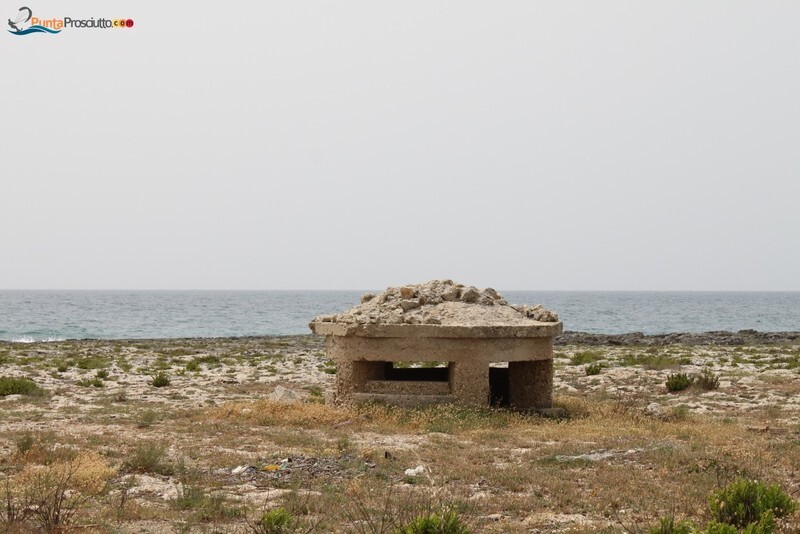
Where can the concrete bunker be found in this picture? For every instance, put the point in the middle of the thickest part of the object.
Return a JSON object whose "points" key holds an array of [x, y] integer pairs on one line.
{"points": [[455, 334]]}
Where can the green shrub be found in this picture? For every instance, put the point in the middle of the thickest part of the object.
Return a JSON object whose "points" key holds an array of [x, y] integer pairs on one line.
{"points": [[679, 381], [448, 523], [161, 380], [594, 369], [707, 380], [586, 356], [92, 362], [24, 443], [62, 367], [102, 374], [275, 521], [765, 526], [193, 365], [668, 525], [148, 458], [87, 382], [17, 386], [654, 361], [720, 528], [745, 503]]}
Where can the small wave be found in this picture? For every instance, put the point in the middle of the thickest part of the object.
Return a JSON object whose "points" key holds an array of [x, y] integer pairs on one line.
{"points": [[35, 29], [28, 339]]}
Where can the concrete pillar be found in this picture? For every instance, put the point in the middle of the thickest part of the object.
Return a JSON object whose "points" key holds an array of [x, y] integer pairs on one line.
{"points": [[469, 382], [352, 375], [530, 384]]}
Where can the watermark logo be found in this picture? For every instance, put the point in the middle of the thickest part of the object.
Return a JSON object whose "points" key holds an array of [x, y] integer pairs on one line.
{"points": [[24, 23]]}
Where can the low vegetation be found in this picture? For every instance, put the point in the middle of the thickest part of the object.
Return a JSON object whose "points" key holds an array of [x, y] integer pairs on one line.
{"points": [[679, 382], [211, 453], [17, 386]]}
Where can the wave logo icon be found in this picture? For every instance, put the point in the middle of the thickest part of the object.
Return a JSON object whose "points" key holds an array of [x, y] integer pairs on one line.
{"points": [[18, 25]]}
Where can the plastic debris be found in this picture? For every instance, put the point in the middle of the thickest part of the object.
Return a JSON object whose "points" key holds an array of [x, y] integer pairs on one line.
{"points": [[416, 471], [243, 469]]}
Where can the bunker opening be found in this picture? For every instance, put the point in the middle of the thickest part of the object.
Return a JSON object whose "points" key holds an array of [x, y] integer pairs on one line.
{"points": [[417, 371], [499, 394]]}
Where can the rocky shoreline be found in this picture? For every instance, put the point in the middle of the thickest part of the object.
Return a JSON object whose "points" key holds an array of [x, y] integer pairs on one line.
{"points": [[742, 337], [719, 337]]}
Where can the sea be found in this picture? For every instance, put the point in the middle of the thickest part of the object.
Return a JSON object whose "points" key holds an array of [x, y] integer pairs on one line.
{"points": [[44, 315]]}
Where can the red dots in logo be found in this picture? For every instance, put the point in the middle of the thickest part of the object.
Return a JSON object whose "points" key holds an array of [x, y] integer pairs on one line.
{"points": [[129, 23]]}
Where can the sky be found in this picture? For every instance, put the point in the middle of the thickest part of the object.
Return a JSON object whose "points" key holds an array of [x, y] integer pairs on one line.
{"points": [[360, 144]]}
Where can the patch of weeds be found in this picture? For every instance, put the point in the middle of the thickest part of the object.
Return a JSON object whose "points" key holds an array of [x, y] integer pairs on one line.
{"points": [[162, 364], [178, 352], [207, 507], [91, 362], [10, 385], [315, 394], [678, 382], [160, 380], [49, 499], [707, 380], [655, 362], [668, 525], [102, 374], [24, 443], [209, 361], [147, 418], [149, 458], [275, 521], [585, 356], [62, 367], [594, 369], [680, 412], [435, 523], [193, 365], [328, 367], [90, 382]]}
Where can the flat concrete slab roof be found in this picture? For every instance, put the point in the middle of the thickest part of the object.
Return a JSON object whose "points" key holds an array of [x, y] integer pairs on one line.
{"points": [[534, 329]]}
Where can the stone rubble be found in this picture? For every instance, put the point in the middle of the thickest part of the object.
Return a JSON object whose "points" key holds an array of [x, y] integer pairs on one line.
{"points": [[440, 302]]}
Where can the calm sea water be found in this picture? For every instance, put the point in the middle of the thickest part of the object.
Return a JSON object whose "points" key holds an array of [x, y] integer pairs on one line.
{"points": [[55, 315]]}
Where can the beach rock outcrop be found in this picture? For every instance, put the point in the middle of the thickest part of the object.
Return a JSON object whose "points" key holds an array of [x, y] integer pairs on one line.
{"points": [[440, 302]]}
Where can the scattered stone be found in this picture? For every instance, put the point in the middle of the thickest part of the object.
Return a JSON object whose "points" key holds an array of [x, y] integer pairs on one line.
{"points": [[470, 295], [406, 293], [451, 294], [596, 456], [286, 396], [414, 471], [439, 302], [409, 304], [654, 409]]}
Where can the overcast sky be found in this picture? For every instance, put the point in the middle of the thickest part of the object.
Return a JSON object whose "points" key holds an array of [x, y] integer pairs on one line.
{"points": [[358, 144]]}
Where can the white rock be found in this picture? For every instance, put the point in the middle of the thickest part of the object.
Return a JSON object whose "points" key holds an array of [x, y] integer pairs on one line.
{"points": [[416, 471], [286, 396]]}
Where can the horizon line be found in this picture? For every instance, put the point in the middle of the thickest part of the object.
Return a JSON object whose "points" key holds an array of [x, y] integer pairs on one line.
{"points": [[378, 290]]}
